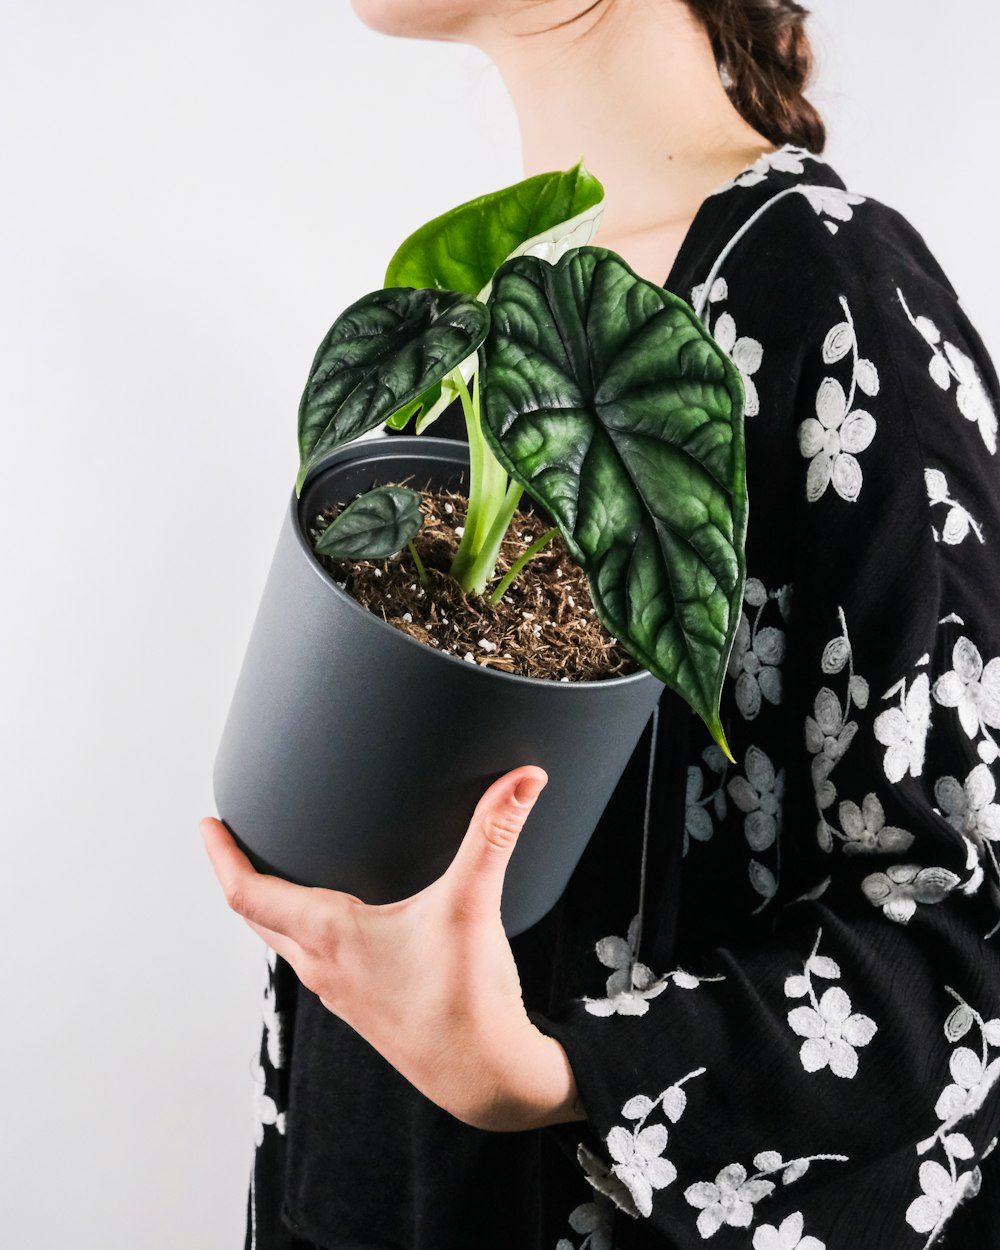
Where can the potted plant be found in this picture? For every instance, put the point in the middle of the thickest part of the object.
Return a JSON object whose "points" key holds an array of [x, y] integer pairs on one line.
{"points": [[354, 753]]}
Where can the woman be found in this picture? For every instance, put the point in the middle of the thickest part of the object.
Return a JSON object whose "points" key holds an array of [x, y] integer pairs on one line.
{"points": [[766, 1010]]}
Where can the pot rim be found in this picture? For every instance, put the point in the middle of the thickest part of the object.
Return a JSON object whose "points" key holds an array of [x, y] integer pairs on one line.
{"points": [[419, 444]]}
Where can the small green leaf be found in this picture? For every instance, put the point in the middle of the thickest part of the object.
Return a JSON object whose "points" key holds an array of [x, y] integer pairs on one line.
{"points": [[448, 393], [606, 397], [387, 349], [401, 419], [377, 524], [461, 249]]}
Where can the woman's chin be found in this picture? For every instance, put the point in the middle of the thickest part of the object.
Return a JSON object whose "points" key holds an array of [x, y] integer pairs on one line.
{"points": [[414, 19]]}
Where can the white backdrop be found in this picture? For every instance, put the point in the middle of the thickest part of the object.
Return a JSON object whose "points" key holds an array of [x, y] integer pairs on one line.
{"points": [[192, 192]]}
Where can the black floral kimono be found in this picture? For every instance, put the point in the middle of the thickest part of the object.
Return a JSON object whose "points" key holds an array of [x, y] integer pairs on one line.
{"points": [[779, 987]]}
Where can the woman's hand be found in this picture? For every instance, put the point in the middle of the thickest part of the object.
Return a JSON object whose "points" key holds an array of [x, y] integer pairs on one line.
{"points": [[429, 981]]}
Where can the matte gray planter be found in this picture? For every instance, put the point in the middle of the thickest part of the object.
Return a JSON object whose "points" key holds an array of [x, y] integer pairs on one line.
{"points": [[353, 756]]}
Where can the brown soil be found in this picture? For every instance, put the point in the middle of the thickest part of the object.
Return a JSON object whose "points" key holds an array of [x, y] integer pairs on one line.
{"points": [[544, 626]]}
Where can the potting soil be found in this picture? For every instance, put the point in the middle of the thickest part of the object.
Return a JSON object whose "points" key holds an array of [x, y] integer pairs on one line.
{"points": [[544, 626]]}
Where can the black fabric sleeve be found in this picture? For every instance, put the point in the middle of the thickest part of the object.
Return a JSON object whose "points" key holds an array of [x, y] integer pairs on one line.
{"points": [[835, 1082]]}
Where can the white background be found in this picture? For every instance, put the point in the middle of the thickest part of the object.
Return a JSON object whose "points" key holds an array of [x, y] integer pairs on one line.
{"points": [[192, 193]]}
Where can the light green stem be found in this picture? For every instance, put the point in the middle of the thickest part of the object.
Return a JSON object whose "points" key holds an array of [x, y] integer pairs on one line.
{"points": [[468, 545], [483, 565], [421, 571], [492, 500], [501, 586]]}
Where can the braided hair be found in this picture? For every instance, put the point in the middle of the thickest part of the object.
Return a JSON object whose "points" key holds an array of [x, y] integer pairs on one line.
{"points": [[765, 60]]}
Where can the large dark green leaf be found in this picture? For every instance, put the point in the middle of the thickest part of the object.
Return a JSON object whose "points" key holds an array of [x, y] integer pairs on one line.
{"points": [[608, 400], [375, 525], [382, 352]]}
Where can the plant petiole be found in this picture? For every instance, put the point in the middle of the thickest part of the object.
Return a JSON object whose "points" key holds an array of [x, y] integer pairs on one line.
{"points": [[492, 500], [421, 571], [498, 591], [484, 562]]}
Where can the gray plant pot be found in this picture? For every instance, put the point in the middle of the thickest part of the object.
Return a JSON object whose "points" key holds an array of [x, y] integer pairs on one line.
{"points": [[353, 756]]}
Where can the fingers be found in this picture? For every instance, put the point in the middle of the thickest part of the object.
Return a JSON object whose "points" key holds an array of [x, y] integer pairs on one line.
{"points": [[476, 874], [270, 902]]}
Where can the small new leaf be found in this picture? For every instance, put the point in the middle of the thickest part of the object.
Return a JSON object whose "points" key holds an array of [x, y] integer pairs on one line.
{"points": [[377, 524], [401, 418], [461, 249]]}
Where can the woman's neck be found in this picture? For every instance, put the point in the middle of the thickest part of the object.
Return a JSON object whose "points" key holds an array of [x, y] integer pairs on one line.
{"points": [[639, 99]]}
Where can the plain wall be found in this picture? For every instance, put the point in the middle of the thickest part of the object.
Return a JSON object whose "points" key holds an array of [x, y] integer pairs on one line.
{"points": [[192, 193]]}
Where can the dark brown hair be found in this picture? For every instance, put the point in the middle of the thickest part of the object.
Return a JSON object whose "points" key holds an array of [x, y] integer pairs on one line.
{"points": [[765, 61]]}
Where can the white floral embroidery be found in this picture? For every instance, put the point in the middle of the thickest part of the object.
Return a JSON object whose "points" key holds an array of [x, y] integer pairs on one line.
{"points": [[787, 159], [273, 1019], [758, 651], [746, 354], [865, 830], [972, 1080], [904, 729], [970, 807], [596, 1221], [761, 795], [631, 983], [731, 1197], [787, 1237], [638, 1165], [832, 202], [942, 1192], [831, 439], [728, 1199], [829, 732], [947, 362], [719, 291], [974, 402], [831, 1031], [265, 1109], [900, 888], [973, 1076], [828, 735], [971, 688], [958, 521], [697, 821]]}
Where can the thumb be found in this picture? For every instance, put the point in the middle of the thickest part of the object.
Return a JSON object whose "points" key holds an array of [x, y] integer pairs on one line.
{"points": [[476, 875]]}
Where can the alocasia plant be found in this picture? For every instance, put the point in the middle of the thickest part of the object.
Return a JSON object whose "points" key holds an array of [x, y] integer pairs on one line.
{"points": [[600, 393]]}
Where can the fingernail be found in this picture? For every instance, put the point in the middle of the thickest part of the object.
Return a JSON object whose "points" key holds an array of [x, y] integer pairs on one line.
{"points": [[527, 790]]}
